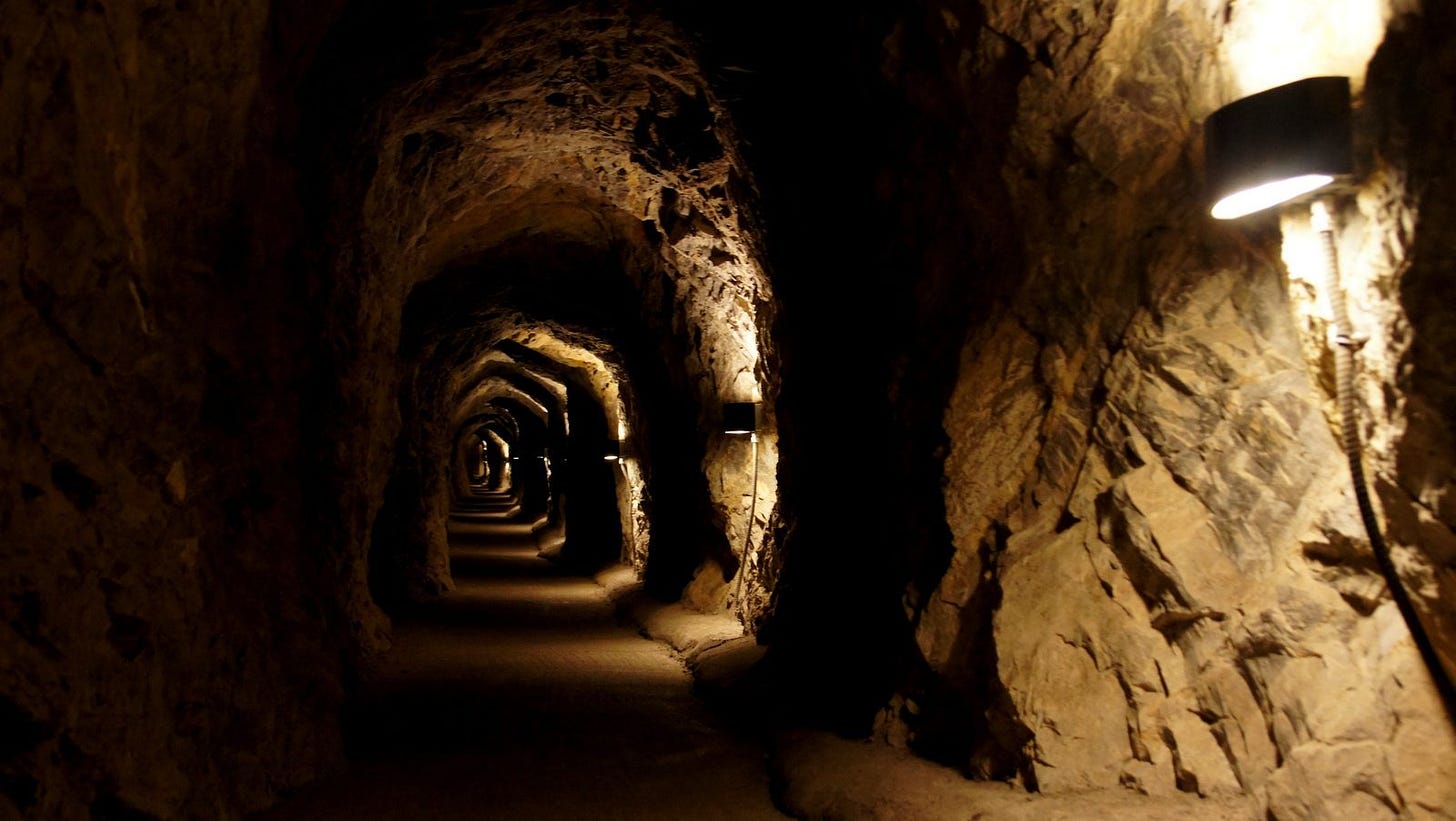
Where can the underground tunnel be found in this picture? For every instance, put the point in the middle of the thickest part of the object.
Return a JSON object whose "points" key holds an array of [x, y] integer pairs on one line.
{"points": [[654, 409]]}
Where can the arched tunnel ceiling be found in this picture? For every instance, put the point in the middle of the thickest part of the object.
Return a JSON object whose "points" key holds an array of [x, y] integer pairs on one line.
{"points": [[488, 425], [569, 164], [568, 119], [496, 360], [511, 136], [500, 418], [578, 358], [494, 381], [537, 359], [493, 391]]}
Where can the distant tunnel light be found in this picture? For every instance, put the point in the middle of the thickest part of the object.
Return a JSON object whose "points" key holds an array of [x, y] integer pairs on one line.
{"points": [[613, 451], [740, 418], [1278, 145]]}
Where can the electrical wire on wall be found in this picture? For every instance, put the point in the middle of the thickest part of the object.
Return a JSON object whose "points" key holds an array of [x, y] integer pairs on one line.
{"points": [[748, 535], [1346, 344]]}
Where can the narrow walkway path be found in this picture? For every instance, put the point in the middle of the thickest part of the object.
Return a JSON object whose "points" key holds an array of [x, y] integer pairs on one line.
{"points": [[520, 697]]}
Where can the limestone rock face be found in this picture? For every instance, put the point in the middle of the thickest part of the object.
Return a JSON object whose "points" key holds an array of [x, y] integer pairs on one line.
{"points": [[1159, 579]]}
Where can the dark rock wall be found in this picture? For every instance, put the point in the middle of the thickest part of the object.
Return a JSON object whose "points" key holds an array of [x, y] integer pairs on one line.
{"points": [[1413, 206], [169, 644], [214, 220], [565, 162]]}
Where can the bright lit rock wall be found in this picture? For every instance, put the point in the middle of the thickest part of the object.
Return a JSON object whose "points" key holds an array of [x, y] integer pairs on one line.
{"points": [[1159, 579]]}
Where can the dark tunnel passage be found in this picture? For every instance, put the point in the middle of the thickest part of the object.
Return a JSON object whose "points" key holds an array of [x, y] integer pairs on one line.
{"points": [[657, 409], [548, 331]]}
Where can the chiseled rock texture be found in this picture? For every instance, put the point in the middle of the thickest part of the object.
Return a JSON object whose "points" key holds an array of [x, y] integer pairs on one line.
{"points": [[1099, 526], [168, 645], [212, 217], [1159, 579]]}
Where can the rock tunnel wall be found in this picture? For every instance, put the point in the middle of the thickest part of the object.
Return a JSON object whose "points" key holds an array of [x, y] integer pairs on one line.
{"points": [[168, 646], [203, 276], [1127, 406], [529, 130], [1158, 578]]}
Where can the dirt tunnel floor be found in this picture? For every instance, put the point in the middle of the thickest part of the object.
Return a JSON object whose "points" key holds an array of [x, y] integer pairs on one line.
{"points": [[521, 696]]}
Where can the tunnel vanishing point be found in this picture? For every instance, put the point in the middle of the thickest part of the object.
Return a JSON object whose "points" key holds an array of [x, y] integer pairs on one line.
{"points": [[1041, 480]]}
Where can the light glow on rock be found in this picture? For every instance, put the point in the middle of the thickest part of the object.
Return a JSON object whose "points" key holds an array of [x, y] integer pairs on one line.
{"points": [[1272, 42]]}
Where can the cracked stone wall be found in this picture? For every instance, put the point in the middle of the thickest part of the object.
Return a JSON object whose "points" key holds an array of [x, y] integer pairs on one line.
{"points": [[1158, 577]]}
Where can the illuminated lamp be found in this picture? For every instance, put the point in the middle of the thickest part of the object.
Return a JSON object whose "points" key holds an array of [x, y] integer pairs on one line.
{"points": [[740, 417], [1278, 145], [613, 450]]}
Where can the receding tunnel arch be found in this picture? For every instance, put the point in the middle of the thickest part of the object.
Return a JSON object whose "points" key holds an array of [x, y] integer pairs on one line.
{"points": [[569, 302], [470, 459], [632, 196], [534, 426], [547, 391], [1001, 303]]}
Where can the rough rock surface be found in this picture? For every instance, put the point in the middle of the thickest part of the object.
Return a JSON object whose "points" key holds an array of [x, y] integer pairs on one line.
{"points": [[566, 165], [158, 654], [821, 776], [1099, 537], [1156, 549], [213, 217]]}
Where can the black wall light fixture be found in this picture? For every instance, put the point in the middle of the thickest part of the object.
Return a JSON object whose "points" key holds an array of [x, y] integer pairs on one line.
{"points": [[1288, 145], [740, 417], [1278, 145]]}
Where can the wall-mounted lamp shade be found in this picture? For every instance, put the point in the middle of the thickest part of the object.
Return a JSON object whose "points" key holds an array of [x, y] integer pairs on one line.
{"points": [[740, 417], [1277, 145], [613, 450]]}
